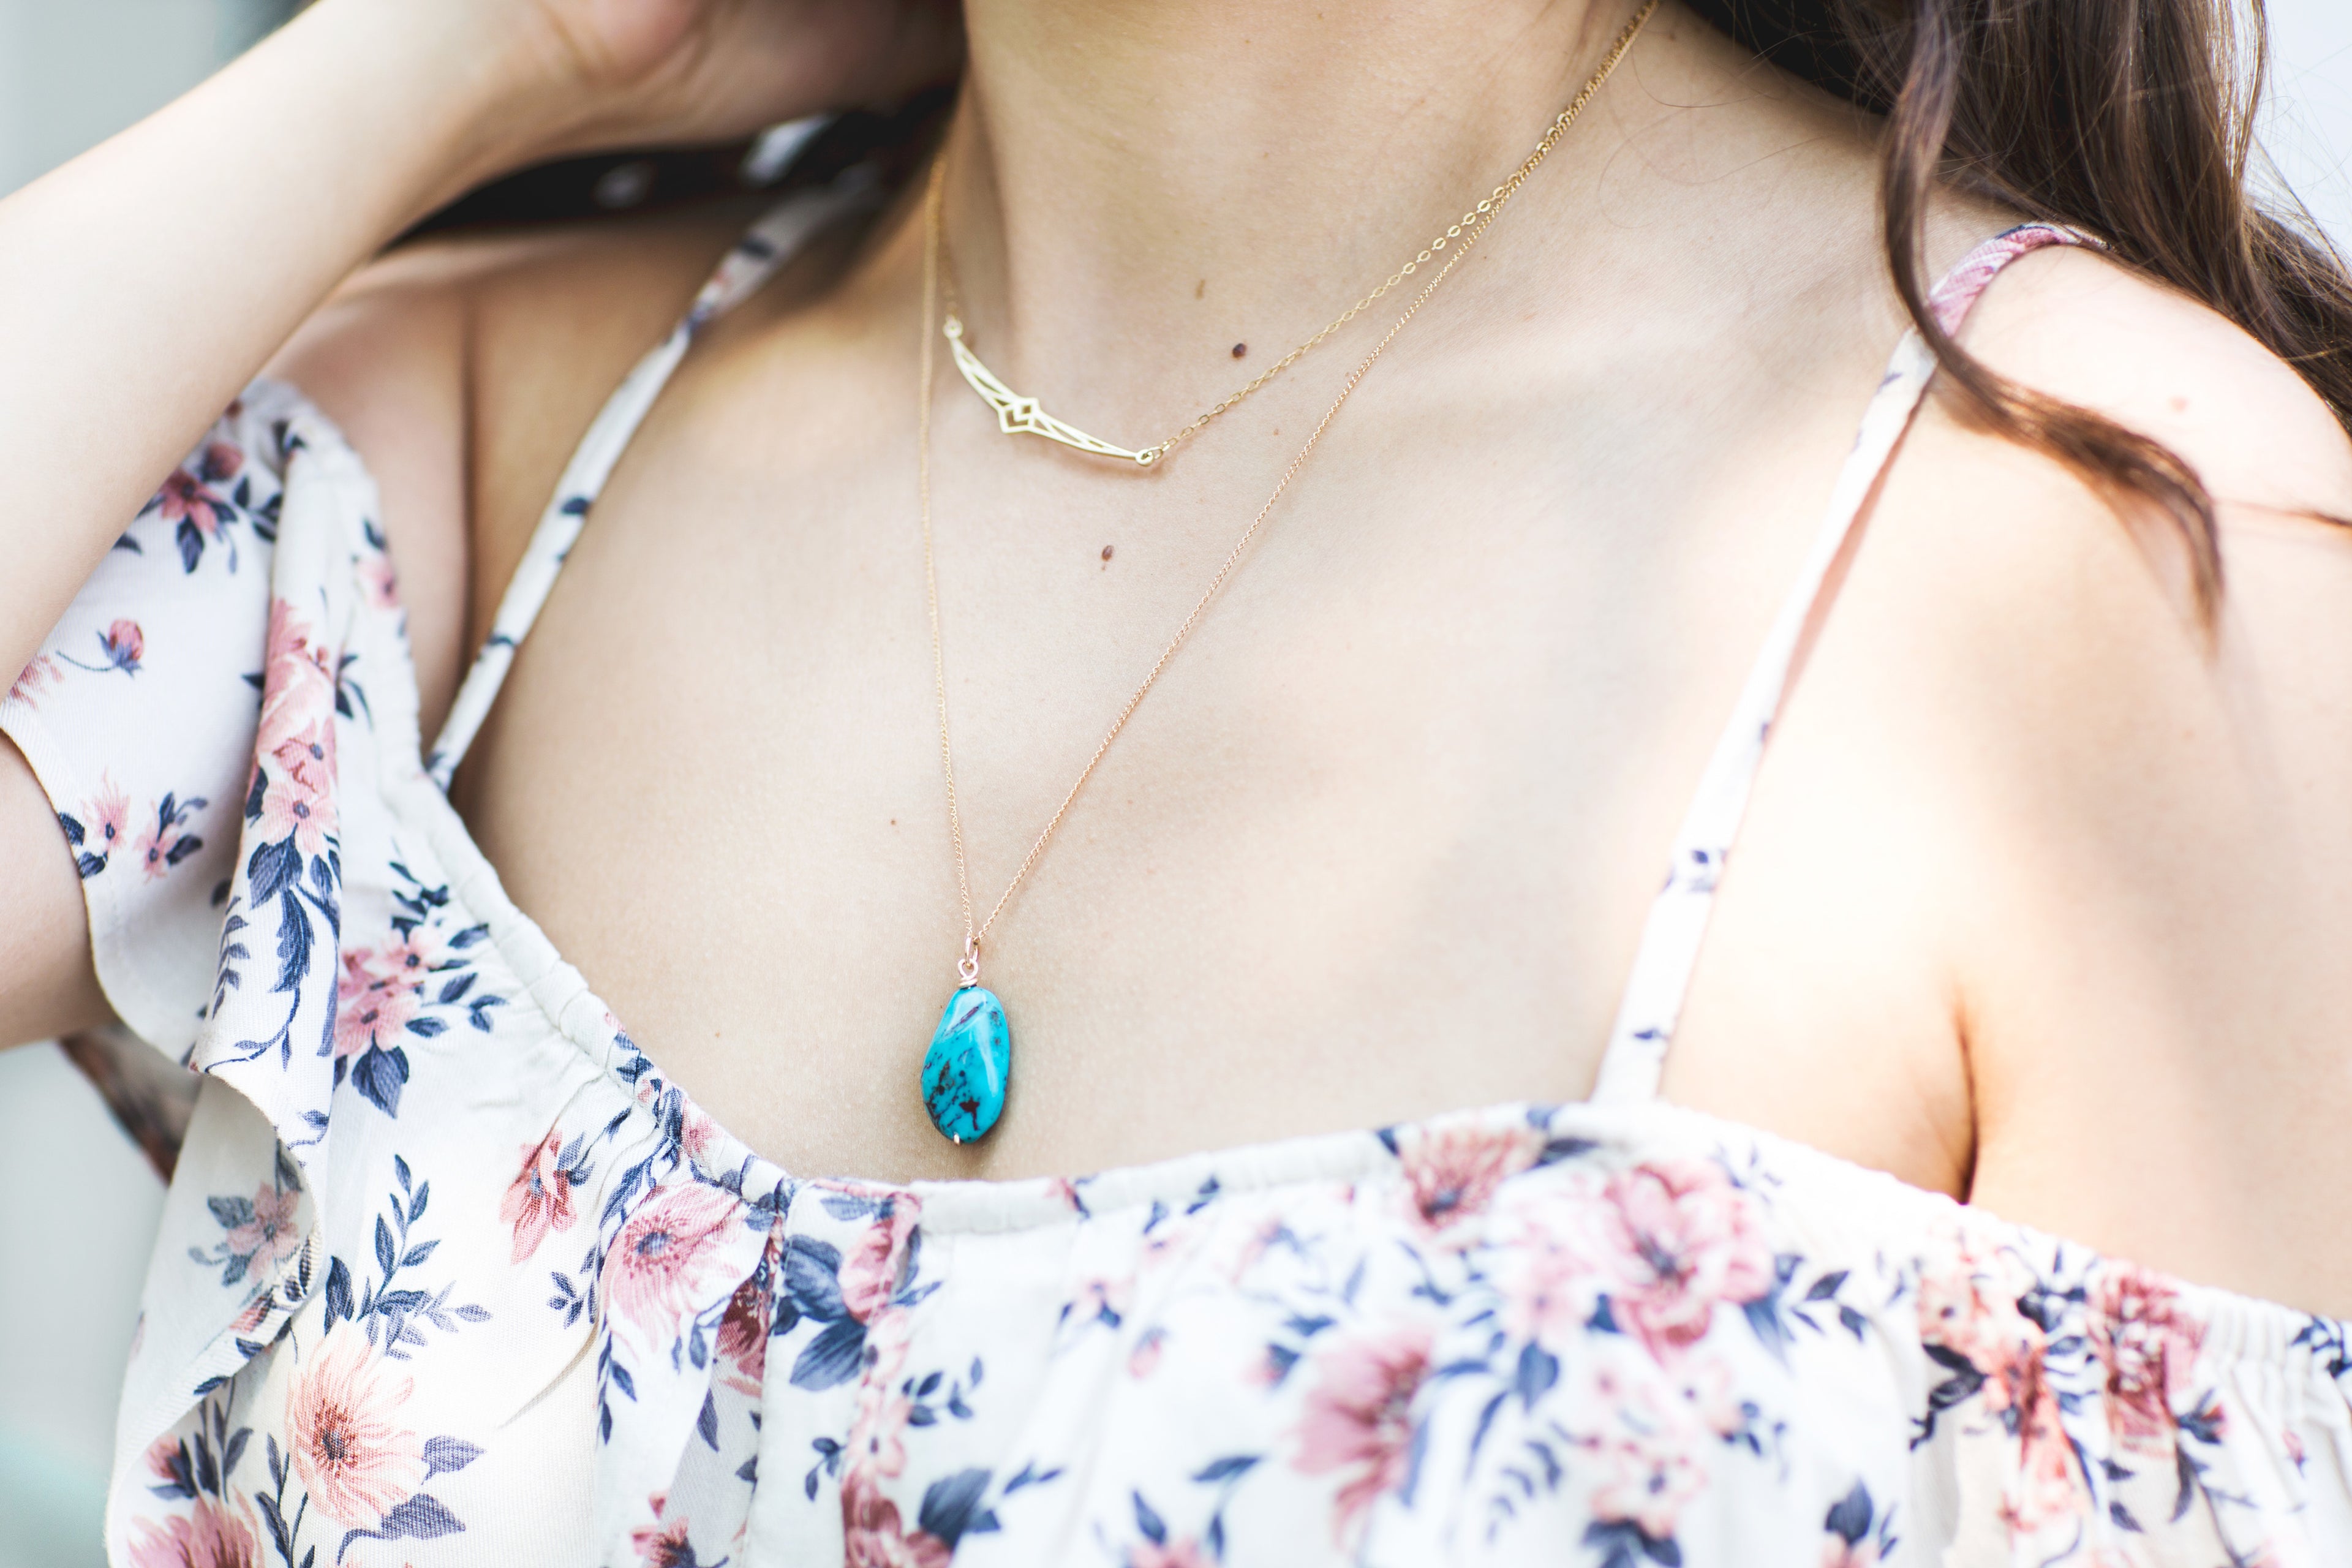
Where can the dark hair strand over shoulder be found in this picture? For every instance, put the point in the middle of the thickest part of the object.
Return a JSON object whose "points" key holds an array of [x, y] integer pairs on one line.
{"points": [[2132, 119]]}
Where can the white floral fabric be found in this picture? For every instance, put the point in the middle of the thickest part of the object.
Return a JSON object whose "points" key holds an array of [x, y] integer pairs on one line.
{"points": [[450, 1273]]}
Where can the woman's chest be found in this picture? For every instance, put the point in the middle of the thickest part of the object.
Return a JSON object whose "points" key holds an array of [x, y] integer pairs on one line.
{"points": [[1377, 842]]}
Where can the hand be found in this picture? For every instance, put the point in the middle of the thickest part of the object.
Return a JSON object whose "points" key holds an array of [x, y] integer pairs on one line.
{"points": [[569, 75]]}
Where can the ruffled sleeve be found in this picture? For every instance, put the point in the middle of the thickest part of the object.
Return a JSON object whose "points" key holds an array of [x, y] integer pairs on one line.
{"points": [[138, 716], [187, 719]]}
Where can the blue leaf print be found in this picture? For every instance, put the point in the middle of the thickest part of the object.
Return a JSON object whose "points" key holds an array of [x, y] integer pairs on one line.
{"points": [[338, 1292], [1153, 1527], [420, 1518], [380, 1074], [1223, 1469], [1848, 1517], [951, 1507], [813, 1277], [832, 1357], [445, 1454], [1538, 1369], [273, 868]]}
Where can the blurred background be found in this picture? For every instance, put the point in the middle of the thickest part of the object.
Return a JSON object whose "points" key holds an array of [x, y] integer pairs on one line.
{"points": [[75, 1236]]}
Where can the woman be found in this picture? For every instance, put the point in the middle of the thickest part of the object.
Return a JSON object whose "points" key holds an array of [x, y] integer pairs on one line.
{"points": [[2038, 906]]}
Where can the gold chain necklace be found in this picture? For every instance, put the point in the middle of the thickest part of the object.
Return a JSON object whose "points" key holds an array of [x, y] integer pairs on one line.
{"points": [[1020, 416], [968, 1064]]}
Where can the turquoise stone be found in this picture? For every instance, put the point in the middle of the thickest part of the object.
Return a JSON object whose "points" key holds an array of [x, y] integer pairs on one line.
{"points": [[969, 1061]]}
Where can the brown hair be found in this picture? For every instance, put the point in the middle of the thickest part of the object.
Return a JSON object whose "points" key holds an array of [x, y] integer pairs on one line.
{"points": [[2130, 119]]}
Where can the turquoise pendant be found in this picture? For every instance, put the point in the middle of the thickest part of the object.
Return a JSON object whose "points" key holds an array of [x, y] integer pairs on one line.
{"points": [[969, 1061]]}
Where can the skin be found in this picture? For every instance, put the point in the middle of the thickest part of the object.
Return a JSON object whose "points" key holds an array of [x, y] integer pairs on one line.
{"points": [[2040, 898]]}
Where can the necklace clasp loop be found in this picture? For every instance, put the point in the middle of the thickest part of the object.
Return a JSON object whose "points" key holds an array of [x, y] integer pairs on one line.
{"points": [[968, 966]]}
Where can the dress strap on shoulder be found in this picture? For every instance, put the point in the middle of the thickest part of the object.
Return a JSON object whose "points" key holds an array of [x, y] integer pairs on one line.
{"points": [[764, 249], [1661, 977]]}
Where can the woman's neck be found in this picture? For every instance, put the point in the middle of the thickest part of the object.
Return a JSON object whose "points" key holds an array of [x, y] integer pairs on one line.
{"points": [[1152, 181]]}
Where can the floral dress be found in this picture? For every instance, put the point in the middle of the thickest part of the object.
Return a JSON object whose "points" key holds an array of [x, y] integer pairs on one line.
{"points": [[450, 1272]]}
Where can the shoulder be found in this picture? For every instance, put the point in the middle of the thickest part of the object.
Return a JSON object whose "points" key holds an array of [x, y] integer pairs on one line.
{"points": [[2077, 325], [2024, 553], [2033, 564], [463, 369], [2148, 844]]}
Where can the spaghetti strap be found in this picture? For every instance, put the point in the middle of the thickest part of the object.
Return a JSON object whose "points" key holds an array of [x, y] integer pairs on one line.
{"points": [[764, 249], [1661, 975]]}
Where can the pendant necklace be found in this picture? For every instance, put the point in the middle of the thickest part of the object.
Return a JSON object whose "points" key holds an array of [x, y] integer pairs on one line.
{"points": [[969, 1066]]}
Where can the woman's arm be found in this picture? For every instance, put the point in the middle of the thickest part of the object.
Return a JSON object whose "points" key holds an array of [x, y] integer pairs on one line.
{"points": [[143, 284]]}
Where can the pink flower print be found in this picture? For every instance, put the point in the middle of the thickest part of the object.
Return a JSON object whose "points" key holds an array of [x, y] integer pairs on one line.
{"points": [[1451, 1173], [205, 1536], [539, 1200], [877, 1433], [35, 678], [2045, 1484], [155, 846], [1144, 1359], [663, 1544], [190, 496], [1547, 1285], [269, 1234], [295, 668], [124, 644], [166, 1458], [109, 813], [379, 991], [1967, 1303], [870, 1274], [295, 748], [743, 1336], [1840, 1553], [298, 799], [661, 1262], [306, 759], [699, 1135], [1358, 1418], [1648, 1473], [1708, 1393], [349, 1447], [1184, 1553], [888, 1338], [96, 829], [379, 582], [2147, 1342], [873, 1536], [877, 1429], [1677, 1237], [121, 646]]}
